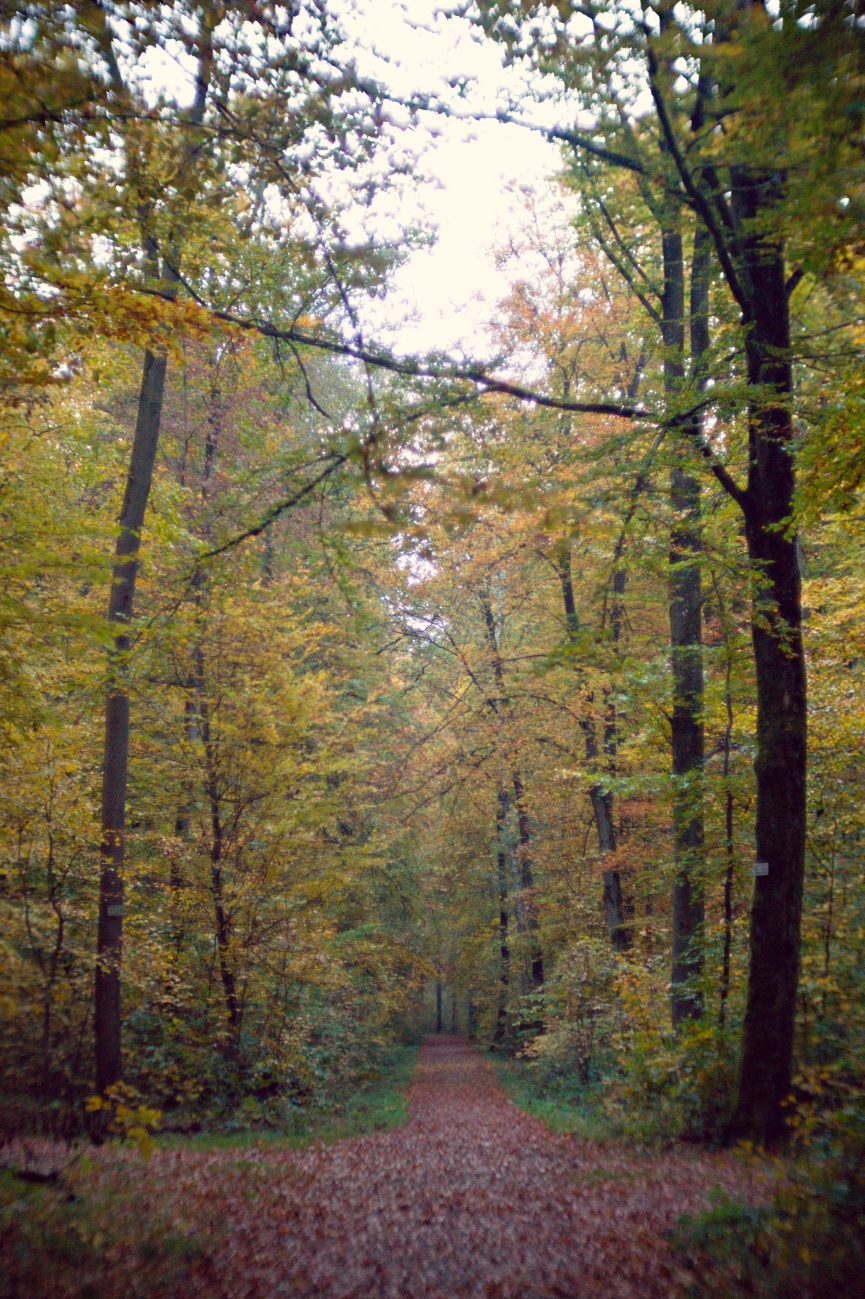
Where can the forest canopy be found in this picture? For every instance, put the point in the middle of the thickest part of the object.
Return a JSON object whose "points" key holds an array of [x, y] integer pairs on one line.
{"points": [[348, 693]]}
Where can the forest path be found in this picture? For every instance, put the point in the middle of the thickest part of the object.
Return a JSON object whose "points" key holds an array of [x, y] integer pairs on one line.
{"points": [[470, 1197]]}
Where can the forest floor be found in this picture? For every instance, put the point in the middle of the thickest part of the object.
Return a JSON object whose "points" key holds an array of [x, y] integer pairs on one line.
{"points": [[470, 1197]]}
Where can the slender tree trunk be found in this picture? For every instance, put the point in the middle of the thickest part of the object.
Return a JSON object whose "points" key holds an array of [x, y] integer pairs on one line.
{"points": [[527, 884], [601, 799], [688, 749], [526, 907], [501, 1029], [685, 609], [438, 1005], [728, 842], [453, 1013], [222, 922], [109, 941], [780, 766], [50, 973], [220, 914]]}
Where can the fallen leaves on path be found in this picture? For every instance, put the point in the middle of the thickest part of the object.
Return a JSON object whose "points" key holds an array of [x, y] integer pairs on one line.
{"points": [[471, 1197]]}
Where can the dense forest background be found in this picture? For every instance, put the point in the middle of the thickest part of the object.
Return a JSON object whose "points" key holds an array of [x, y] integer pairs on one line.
{"points": [[413, 693]]}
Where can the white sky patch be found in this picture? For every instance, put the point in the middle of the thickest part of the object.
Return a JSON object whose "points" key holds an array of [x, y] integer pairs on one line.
{"points": [[444, 295]]}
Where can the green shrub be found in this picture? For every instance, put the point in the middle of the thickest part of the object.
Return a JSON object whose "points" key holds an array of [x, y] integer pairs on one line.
{"points": [[807, 1243]]}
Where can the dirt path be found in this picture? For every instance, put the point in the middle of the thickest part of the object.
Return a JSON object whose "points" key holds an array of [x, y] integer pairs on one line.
{"points": [[471, 1197]]}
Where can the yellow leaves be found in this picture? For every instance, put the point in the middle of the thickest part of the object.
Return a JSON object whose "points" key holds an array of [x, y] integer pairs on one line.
{"points": [[132, 1122]]}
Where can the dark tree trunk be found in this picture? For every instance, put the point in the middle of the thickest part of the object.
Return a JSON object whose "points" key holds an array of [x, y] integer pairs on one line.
{"points": [[438, 1005], [601, 799], [527, 884], [739, 212], [199, 726], [728, 838], [109, 941], [471, 1017], [220, 914], [526, 907], [685, 610], [500, 1032], [688, 749], [776, 911], [752, 260], [453, 1012]]}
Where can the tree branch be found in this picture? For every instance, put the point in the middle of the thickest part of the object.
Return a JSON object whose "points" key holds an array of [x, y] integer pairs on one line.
{"points": [[408, 368], [335, 462], [692, 190]]}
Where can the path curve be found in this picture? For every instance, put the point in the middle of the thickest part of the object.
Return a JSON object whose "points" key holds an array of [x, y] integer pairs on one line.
{"points": [[471, 1197]]}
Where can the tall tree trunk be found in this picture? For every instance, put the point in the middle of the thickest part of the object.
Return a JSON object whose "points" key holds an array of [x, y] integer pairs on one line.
{"points": [[182, 826], [685, 610], [211, 764], [601, 799], [526, 907], [500, 1032], [780, 766], [220, 914], [438, 1005], [728, 844], [527, 884], [109, 941], [746, 235]]}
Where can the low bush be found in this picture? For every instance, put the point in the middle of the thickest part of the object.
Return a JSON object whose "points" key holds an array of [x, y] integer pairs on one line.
{"points": [[808, 1242]]}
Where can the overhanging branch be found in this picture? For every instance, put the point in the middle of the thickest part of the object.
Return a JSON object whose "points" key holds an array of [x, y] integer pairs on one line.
{"points": [[409, 368]]}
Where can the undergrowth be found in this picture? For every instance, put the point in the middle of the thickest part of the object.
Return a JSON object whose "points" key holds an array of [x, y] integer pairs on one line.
{"points": [[89, 1237], [808, 1242], [376, 1107], [98, 1230], [575, 1109]]}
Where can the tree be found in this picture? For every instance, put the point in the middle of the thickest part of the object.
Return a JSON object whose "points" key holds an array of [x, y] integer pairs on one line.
{"points": [[707, 146]]}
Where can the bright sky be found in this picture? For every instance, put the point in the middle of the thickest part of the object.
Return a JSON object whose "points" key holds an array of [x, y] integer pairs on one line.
{"points": [[445, 294]]}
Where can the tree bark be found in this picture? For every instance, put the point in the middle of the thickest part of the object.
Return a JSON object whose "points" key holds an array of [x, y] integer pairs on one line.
{"points": [[527, 884], [601, 799], [501, 1029], [471, 1017], [220, 914], [780, 765], [222, 919], [685, 613], [729, 848], [109, 941], [526, 907]]}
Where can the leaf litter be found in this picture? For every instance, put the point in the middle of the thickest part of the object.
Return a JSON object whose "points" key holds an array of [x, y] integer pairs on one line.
{"points": [[472, 1197]]}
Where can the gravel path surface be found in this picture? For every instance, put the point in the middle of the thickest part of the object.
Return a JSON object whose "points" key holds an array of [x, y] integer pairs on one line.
{"points": [[471, 1197]]}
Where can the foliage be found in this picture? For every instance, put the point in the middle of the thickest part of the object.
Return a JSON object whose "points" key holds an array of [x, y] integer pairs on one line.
{"points": [[808, 1241], [94, 1229], [561, 1104], [400, 667]]}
